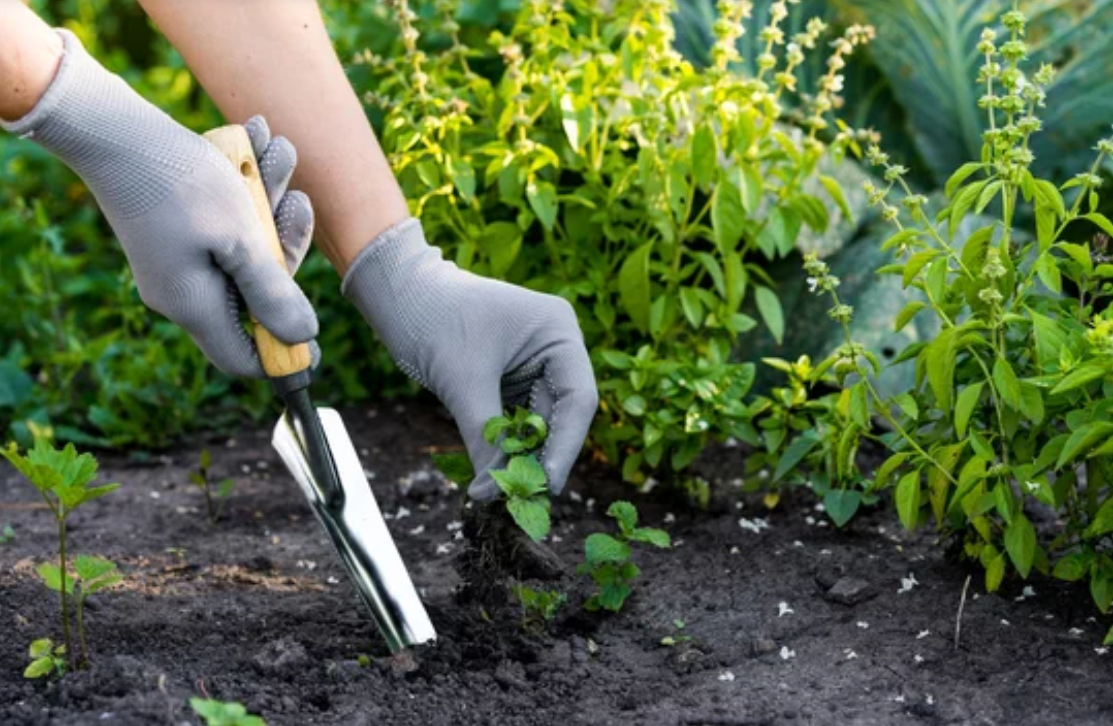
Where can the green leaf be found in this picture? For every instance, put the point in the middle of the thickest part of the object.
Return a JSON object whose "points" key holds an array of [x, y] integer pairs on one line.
{"points": [[841, 505], [1008, 387], [1101, 221], [1020, 542], [794, 454], [1031, 402], [531, 515], [1084, 439], [907, 313], [995, 573], [625, 514], [543, 200], [704, 155], [612, 596], [41, 648], [908, 499], [651, 536], [916, 263], [52, 577], [961, 175], [635, 405], [881, 476], [1073, 567], [39, 668], [1102, 522], [770, 308], [834, 190], [728, 217], [494, 428], [1101, 588], [1079, 377], [941, 367], [600, 548], [903, 400], [89, 567], [502, 243], [690, 304], [634, 288], [964, 407], [456, 467]]}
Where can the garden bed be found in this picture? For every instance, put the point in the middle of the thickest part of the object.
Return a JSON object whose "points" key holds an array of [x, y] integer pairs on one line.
{"points": [[256, 610]]}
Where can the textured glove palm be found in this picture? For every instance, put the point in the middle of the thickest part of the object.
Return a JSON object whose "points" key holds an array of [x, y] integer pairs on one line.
{"points": [[180, 209], [480, 345]]}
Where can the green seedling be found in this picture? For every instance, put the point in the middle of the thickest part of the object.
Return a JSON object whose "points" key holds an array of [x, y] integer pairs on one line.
{"points": [[90, 574], [523, 480], [62, 478], [7, 534], [607, 558], [219, 713], [46, 659], [216, 493], [539, 607], [676, 638]]}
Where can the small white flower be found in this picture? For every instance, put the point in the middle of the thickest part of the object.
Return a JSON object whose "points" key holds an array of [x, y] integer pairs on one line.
{"points": [[726, 676], [813, 284], [786, 653], [923, 634], [783, 609], [1032, 486]]}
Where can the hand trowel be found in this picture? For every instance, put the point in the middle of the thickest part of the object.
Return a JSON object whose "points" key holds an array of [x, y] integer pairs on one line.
{"points": [[316, 448]]}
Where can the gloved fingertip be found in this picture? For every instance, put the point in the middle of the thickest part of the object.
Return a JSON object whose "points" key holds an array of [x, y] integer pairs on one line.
{"points": [[483, 488], [314, 354], [259, 133]]}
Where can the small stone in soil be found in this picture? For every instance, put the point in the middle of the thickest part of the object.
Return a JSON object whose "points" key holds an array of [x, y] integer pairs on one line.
{"points": [[850, 591]]}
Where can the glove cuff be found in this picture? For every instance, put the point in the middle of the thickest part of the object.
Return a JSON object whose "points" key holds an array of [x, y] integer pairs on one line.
{"points": [[391, 282]]}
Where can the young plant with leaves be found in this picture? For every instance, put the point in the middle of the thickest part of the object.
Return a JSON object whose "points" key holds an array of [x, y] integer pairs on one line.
{"points": [[216, 494], [47, 659], [607, 557], [62, 478], [1012, 407], [539, 607], [579, 154], [523, 481], [220, 713]]}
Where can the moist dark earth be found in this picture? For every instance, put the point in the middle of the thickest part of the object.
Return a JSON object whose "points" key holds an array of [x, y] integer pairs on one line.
{"points": [[790, 623]]}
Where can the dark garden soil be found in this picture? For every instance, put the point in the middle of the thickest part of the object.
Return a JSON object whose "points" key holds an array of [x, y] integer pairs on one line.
{"points": [[790, 624]]}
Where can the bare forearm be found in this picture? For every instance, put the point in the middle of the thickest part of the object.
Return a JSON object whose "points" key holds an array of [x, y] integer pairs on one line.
{"points": [[275, 59], [29, 55]]}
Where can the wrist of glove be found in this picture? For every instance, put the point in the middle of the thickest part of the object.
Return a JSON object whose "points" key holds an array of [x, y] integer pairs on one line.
{"points": [[480, 345], [180, 209]]}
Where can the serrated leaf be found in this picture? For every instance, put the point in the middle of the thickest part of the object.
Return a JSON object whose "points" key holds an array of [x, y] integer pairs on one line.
{"points": [[651, 536], [531, 515], [600, 548], [625, 514]]}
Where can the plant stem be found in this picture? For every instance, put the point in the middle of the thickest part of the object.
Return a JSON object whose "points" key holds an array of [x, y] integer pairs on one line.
{"points": [[84, 662], [62, 570]]}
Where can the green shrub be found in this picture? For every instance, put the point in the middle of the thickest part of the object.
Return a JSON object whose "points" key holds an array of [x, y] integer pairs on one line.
{"points": [[1011, 414], [579, 154]]}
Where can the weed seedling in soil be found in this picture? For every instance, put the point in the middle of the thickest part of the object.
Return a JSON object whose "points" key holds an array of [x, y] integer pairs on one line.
{"points": [[607, 558], [219, 713], [676, 638], [539, 607], [62, 478], [46, 659], [216, 494], [7, 534]]}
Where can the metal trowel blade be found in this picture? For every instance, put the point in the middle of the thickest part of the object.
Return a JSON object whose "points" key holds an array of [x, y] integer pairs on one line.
{"points": [[358, 532]]}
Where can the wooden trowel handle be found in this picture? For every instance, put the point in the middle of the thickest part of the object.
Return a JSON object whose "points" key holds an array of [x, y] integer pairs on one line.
{"points": [[279, 359]]}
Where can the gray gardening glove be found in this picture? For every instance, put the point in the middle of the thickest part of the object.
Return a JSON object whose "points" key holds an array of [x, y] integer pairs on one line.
{"points": [[180, 209], [480, 345]]}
